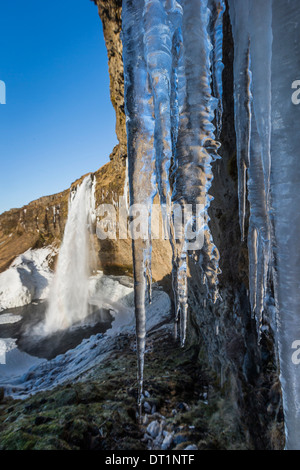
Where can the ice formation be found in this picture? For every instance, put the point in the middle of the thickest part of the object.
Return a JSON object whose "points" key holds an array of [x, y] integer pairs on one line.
{"points": [[68, 298], [252, 93], [171, 143], [266, 38], [173, 93], [285, 183]]}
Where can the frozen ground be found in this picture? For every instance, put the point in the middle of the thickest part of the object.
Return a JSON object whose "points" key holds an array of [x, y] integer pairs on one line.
{"points": [[23, 374], [27, 278]]}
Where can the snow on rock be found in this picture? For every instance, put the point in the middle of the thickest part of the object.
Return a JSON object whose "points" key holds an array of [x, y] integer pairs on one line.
{"points": [[27, 278], [119, 298]]}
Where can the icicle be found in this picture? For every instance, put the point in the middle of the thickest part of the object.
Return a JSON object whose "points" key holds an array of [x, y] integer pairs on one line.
{"points": [[160, 22], [126, 187], [260, 157], [217, 8], [239, 14], [196, 148], [259, 231], [141, 157], [285, 183], [170, 109], [252, 76], [178, 96]]}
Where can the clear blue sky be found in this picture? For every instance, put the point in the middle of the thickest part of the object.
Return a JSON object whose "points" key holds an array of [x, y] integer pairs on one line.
{"points": [[58, 123]]}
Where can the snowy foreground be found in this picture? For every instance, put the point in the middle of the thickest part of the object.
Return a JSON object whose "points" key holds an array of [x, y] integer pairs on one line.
{"points": [[26, 281]]}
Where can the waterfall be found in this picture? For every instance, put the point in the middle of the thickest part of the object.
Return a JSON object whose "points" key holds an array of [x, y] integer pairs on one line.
{"points": [[68, 298]]}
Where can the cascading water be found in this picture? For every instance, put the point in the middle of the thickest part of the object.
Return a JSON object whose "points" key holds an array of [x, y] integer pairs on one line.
{"points": [[173, 87], [68, 298]]}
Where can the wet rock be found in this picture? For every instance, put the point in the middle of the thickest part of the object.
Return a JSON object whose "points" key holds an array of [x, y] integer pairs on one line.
{"points": [[147, 407], [145, 420], [153, 429], [183, 407], [167, 442]]}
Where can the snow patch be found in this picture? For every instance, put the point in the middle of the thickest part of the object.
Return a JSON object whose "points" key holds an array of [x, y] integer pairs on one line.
{"points": [[9, 318], [27, 278], [39, 375]]}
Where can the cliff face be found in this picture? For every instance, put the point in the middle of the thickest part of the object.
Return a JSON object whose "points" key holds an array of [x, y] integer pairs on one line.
{"points": [[225, 331], [38, 224], [110, 14]]}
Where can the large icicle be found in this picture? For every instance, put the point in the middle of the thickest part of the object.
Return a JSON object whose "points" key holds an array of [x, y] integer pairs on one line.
{"points": [[267, 33], [252, 75], [196, 148], [285, 184], [260, 155], [217, 8], [141, 157], [170, 109]]}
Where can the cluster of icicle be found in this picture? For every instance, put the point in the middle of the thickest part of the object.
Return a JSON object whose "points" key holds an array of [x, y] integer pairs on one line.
{"points": [[266, 64], [173, 92], [252, 91]]}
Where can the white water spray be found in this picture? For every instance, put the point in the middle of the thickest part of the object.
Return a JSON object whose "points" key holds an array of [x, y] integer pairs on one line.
{"points": [[68, 299]]}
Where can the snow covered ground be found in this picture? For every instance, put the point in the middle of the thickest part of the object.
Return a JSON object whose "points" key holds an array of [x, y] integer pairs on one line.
{"points": [[22, 374], [27, 278]]}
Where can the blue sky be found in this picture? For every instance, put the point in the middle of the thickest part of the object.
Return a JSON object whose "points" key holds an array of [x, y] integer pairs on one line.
{"points": [[58, 122]]}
